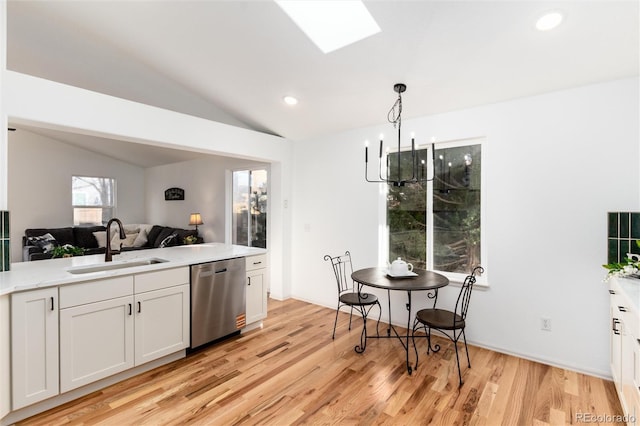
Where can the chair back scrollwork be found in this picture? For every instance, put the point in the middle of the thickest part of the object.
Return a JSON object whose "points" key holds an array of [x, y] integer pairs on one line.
{"points": [[464, 296], [342, 269]]}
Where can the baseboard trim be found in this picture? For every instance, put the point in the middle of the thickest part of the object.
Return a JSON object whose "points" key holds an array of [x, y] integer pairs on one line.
{"points": [[553, 363]]}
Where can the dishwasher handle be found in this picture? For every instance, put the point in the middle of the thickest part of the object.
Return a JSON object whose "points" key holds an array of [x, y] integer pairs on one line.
{"points": [[207, 272]]}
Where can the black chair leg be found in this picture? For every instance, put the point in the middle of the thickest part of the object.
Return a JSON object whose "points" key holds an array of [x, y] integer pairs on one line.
{"points": [[350, 316], [379, 318], [466, 348], [363, 335], [455, 345], [333, 336]]}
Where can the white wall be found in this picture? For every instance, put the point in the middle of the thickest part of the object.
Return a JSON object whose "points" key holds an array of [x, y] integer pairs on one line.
{"points": [[555, 165], [40, 171], [204, 182]]}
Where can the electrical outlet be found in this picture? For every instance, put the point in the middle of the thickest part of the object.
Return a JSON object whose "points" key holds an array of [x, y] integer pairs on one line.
{"points": [[545, 324]]}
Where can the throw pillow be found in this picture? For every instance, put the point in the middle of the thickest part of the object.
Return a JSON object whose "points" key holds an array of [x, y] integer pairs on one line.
{"points": [[46, 242], [141, 239], [101, 237], [168, 241], [164, 233], [131, 228], [153, 234], [127, 242]]}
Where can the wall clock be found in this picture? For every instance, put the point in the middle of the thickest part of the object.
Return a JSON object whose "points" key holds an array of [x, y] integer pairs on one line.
{"points": [[174, 194]]}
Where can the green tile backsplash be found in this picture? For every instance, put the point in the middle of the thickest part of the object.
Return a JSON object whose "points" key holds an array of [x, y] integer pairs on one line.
{"points": [[5, 246], [623, 231]]}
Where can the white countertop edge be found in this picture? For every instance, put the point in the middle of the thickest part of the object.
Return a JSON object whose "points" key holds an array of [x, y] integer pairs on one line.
{"points": [[25, 276]]}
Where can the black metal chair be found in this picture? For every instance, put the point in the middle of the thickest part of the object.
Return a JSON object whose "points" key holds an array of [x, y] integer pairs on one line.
{"points": [[449, 323], [351, 295]]}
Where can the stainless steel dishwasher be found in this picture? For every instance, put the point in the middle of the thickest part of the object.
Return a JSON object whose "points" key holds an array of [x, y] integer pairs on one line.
{"points": [[217, 300]]}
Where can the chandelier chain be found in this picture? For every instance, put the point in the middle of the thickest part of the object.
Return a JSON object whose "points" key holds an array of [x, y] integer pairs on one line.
{"points": [[394, 115]]}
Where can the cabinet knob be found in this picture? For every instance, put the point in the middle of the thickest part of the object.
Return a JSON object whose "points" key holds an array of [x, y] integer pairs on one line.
{"points": [[622, 309], [612, 292]]}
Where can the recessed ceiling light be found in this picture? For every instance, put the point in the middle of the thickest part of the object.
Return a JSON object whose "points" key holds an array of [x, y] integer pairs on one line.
{"points": [[549, 21], [290, 100], [331, 24]]}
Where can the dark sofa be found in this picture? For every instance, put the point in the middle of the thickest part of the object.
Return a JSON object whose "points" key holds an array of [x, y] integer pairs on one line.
{"points": [[82, 236]]}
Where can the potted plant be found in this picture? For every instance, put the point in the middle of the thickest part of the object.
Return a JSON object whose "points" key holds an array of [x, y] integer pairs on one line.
{"points": [[67, 250], [630, 266], [190, 239]]}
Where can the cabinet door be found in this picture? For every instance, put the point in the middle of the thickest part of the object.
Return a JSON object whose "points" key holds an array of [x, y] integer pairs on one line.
{"points": [[630, 383], [162, 323], [616, 343], [34, 346], [96, 341], [256, 296]]}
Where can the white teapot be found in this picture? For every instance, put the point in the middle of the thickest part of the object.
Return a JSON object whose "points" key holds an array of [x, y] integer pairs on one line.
{"points": [[400, 267]]}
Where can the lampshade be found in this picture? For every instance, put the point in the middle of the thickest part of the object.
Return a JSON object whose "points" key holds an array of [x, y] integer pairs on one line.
{"points": [[195, 219]]}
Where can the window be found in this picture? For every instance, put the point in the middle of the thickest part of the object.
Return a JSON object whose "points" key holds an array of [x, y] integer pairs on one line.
{"points": [[437, 225], [93, 200], [249, 216]]}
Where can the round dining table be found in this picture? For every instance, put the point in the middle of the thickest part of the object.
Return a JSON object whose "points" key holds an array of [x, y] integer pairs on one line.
{"points": [[417, 280]]}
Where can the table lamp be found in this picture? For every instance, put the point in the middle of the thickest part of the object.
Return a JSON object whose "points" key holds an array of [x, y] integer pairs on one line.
{"points": [[195, 219]]}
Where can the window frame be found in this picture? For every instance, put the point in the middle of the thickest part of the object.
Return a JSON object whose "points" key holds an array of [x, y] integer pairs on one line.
{"points": [[454, 277], [113, 207]]}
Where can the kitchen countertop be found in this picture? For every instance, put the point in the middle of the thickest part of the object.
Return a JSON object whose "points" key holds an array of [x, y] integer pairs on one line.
{"points": [[54, 272], [631, 287]]}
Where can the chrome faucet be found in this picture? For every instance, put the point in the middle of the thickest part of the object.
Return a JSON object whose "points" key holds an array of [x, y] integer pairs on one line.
{"points": [[108, 255]]}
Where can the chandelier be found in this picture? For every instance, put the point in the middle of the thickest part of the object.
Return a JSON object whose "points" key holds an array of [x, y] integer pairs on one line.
{"points": [[418, 168]]}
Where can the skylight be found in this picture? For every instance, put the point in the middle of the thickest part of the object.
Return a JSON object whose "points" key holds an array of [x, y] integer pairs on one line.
{"points": [[331, 24]]}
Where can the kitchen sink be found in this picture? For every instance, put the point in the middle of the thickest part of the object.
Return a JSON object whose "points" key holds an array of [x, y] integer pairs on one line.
{"points": [[109, 266]]}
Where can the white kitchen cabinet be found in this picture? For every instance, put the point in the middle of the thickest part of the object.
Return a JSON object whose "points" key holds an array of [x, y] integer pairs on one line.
{"points": [[34, 346], [161, 323], [625, 351], [96, 331], [111, 325], [257, 286]]}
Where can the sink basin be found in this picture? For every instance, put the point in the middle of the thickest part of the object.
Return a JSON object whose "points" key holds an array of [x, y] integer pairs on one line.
{"points": [[109, 266]]}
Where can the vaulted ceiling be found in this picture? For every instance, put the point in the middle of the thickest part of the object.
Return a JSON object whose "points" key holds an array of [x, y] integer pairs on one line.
{"points": [[233, 61]]}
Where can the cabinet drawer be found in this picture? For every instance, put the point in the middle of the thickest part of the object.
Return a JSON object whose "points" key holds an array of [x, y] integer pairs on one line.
{"points": [[95, 291], [165, 278], [256, 262]]}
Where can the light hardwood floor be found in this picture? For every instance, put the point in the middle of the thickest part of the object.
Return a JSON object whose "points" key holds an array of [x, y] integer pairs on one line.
{"points": [[292, 372]]}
